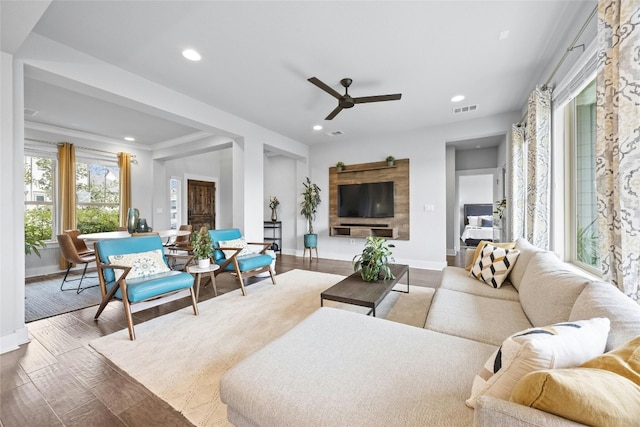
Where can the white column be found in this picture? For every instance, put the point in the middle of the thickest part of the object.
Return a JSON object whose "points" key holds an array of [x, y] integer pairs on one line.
{"points": [[248, 188], [13, 331]]}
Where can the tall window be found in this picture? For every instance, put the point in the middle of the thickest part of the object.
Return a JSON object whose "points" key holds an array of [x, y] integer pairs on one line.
{"points": [[585, 227], [174, 200], [39, 200], [97, 196]]}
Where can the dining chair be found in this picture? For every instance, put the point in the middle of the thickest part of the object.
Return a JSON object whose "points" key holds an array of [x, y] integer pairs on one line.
{"points": [[80, 244], [180, 249], [71, 254], [182, 243]]}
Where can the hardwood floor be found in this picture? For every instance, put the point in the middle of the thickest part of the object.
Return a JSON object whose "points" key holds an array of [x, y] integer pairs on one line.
{"points": [[58, 380]]}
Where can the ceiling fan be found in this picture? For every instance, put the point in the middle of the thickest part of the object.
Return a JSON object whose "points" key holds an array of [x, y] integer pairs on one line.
{"points": [[346, 101]]}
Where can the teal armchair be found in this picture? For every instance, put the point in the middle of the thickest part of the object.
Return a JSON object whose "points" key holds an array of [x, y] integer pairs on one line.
{"points": [[134, 270], [232, 255]]}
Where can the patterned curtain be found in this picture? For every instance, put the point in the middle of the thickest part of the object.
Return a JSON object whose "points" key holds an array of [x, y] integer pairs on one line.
{"points": [[538, 136], [518, 181], [124, 163], [618, 143], [531, 172], [66, 189]]}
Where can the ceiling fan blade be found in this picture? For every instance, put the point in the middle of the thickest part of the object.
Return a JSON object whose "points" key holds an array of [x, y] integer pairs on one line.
{"points": [[334, 113], [325, 87], [378, 98]]}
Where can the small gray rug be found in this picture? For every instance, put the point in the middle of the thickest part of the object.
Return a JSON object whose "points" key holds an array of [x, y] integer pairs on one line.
{"points": [[45, 299]]}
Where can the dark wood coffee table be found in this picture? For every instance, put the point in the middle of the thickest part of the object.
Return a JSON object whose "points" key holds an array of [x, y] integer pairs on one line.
{"points": [[354, 290]]}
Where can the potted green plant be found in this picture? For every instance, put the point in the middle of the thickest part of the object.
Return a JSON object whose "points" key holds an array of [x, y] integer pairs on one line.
{"points": [[340, 166], [373, 259], [390, 160], [202, 247], [308, 209]]}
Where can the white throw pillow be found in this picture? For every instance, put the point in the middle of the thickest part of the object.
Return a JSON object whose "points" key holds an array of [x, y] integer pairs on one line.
{"points": [[494, 264], [474, 221], [563, 345], [236, 243], [141, 263]]}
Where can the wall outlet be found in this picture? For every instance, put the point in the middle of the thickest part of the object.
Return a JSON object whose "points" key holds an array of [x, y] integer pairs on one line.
{"points": [[429, 208], [352, 241]]}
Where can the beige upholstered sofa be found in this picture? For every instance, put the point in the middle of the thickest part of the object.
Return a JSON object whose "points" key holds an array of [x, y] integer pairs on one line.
{"points": [[338, 368]]}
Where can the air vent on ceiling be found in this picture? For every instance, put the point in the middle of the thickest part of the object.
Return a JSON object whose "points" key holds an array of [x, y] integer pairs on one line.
{"points": [[465, 109], [335, 133], [29, 112]]}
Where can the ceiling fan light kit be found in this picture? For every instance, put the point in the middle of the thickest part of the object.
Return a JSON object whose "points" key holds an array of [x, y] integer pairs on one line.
{"points": [[346, 101]]}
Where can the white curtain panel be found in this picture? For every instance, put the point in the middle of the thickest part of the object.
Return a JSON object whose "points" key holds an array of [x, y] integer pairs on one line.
{"points": [[538, 142], [518, 181], [618, 143]]}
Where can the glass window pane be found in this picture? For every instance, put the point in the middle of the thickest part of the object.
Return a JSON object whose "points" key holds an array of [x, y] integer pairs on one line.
{"points": [[38, 198], [586, 227], [97, 197]]}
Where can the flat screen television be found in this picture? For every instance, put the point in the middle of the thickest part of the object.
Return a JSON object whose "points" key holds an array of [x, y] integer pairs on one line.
{"points": [[368, 200]]}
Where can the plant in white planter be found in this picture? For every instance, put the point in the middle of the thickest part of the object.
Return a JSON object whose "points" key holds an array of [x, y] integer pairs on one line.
{"points": [[308, 209], [202, 247]]}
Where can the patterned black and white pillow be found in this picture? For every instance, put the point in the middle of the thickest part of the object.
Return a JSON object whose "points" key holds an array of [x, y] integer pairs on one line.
{"points": [[494, 264]]}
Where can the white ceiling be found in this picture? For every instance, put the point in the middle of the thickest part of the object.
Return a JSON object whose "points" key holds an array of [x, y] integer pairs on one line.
{"points": [[258, 55]]}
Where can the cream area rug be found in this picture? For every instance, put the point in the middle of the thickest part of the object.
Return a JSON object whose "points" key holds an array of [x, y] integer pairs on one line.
{"points": [[181, 357]]}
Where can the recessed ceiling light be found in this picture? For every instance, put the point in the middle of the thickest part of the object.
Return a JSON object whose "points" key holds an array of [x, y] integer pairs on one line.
{"points": [[129, 138], [457, 98], [317, 127], [191, 55]]}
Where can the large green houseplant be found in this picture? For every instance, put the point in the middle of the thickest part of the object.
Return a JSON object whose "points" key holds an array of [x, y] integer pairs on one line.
{"points": [[202, 246], [308, 209], [374, 259]]}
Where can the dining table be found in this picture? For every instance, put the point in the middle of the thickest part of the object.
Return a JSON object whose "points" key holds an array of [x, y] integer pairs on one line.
{"points": [[164, 234]]}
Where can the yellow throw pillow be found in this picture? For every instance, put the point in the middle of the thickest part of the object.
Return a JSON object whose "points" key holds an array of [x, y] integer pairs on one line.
{"points": [[589, 396], [623, 360], [476, 254]]}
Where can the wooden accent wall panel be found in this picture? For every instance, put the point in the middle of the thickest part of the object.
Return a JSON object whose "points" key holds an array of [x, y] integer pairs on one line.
{"points": [[391, 228]]}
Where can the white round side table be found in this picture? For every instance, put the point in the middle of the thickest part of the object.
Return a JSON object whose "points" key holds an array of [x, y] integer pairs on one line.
{"points": [[194, 269]]}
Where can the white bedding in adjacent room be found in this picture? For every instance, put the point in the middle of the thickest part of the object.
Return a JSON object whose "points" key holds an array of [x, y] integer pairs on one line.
{"points": [[477, 233]]}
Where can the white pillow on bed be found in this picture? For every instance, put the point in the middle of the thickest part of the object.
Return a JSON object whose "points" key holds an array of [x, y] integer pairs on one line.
{"points": [[474, 221]]}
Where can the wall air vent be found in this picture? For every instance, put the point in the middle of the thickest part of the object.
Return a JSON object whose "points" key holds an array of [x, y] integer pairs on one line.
{"points": [[465, 109], [335, 133], [29, 112]]}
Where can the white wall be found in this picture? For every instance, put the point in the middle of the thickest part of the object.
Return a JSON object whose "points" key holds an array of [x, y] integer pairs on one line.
{"points": [[426, 149], [280, 181]]}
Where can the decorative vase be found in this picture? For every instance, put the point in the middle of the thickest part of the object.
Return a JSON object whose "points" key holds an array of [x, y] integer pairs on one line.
{"points": [[274, 215], [142, 226], [204, 263], [132, 219], [310, 240]]}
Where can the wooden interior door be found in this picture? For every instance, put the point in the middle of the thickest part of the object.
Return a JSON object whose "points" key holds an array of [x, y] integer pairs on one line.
{"points": [[201, 209]]}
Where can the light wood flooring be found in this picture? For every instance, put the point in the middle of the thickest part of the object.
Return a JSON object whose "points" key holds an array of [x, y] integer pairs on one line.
{"points": [[58, 380]]}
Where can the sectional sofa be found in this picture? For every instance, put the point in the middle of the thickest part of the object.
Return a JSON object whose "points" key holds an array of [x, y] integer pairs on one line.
{"points": [[338, 368]]}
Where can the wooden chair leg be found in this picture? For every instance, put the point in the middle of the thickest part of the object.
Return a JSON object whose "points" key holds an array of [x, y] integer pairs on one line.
{"points": [[194, 301], [127, 313], [273, 279], [244, 293]]}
